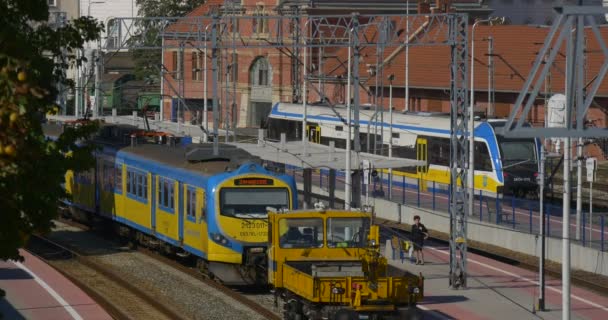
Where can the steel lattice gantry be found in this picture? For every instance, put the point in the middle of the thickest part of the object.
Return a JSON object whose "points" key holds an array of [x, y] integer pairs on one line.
{"points": [[295, 33]]}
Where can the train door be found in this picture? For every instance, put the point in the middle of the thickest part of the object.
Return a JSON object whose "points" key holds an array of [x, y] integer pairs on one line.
{"points": [[422, 155], [314, 132], [181, 212]]}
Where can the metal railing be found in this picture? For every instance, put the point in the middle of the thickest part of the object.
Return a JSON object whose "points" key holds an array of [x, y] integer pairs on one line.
{"points": [[511, 212]]}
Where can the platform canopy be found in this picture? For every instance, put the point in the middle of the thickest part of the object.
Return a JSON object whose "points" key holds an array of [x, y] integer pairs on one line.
{"points": [[317, 156]]}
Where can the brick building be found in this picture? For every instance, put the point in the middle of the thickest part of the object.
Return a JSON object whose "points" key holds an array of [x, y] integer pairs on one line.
{"points": [[264, 76]]}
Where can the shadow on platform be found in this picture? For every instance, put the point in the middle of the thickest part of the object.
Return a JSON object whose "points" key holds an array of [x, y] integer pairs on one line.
{"points": [[14, 274], [443, 299], [7, 311]]}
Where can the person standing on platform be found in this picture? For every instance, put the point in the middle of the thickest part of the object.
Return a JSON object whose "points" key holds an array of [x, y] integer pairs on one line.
{"points": [[419, 234]]}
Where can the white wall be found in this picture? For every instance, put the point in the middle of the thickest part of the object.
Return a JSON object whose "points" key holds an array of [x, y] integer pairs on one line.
{"points": [[103, 10]]}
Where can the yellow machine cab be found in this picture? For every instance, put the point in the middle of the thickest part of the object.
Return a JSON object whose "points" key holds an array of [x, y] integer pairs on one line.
{"points": [[326, 264]]}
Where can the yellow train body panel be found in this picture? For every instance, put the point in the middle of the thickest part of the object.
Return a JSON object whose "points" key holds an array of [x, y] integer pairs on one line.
{"points": [[195, 232], [483, 181], [136, 211], [167, 223]]}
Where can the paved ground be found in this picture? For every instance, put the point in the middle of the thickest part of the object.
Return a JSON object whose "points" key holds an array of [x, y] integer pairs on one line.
{"points": [[496, 291], [35, 290]]}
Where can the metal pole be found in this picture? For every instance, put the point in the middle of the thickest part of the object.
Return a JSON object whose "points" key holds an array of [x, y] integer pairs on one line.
{"points": [[205, 120], [490, 73], [590, 211], [471, 171], [215, 79], [579, 187], [347, 172], [572, 49], [162, 80], [407, 57], [97, 83], [355, 75], [304, 94], [390, 135], [541, 298]]}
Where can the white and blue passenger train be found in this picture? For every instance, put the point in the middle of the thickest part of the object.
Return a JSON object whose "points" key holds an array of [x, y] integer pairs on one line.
{"points": [[502, 165]]}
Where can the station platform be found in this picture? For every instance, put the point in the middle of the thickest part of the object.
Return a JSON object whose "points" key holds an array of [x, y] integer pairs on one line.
{"points": [[495, 290], [34, 290]]}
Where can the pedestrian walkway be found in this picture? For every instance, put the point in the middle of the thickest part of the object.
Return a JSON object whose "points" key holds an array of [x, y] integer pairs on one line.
{"points": [[496, 290], [34, 290]]}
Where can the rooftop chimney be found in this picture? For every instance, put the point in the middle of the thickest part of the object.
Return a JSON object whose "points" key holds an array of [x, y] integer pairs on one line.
{"points": [[424, 8]]}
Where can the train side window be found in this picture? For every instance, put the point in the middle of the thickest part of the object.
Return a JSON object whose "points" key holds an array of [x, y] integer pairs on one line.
{"points": [[191, 204], [166, 194], [137, 185], [118, 178], [129, 181], [439, 151], [482, 157]]}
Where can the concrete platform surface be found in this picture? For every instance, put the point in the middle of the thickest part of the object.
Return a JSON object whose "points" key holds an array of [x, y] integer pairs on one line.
{"points": [[34, 290], [496, 290]]}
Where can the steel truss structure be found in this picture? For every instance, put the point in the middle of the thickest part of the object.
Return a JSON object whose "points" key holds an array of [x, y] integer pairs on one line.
{"points": [[568, 27], [294, 35]]}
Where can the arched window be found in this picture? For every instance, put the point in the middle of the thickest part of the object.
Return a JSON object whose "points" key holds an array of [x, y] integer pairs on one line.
{"points": [[260, 72]]}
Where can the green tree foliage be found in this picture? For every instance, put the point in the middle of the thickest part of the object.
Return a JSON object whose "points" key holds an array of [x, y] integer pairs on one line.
{"points": [[32, 168], [147, 61]]}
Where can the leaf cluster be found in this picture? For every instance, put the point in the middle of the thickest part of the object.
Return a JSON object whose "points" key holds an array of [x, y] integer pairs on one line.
{"points": [[147, 61], [33, 58]]}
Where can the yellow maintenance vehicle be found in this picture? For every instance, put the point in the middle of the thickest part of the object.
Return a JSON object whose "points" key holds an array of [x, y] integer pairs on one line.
{"points": [[326, 264]]}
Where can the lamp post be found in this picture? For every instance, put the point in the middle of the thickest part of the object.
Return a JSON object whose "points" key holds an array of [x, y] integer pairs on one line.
{"points": [[471, 171]]}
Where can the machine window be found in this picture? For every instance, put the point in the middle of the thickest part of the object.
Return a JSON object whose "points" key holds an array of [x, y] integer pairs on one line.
{"points": [[301, 233], [520, 151], [347, 232], [252, 202]]}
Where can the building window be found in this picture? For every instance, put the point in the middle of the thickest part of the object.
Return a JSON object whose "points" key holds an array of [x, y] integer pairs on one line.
{"points": [[232, 71], [166, 194], [396, 135], [113, 34], [52, 3], [191, 204], [178, 65], [137, 185], [260, 23], [339, 128], [260, 72], [197, 65]]}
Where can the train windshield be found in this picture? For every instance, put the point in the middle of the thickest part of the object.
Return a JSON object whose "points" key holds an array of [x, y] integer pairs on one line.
{"points": [[518, 152], [347, 232], [252, 202]]}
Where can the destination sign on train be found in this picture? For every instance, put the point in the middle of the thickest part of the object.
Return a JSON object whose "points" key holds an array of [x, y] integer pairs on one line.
{"points": [[253, 182]]}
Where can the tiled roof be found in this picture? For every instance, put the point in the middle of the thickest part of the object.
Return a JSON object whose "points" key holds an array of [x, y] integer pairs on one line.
{"points": [[187, 25], [515, 48]]}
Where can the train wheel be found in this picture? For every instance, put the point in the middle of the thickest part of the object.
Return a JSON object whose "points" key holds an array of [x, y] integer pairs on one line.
{"points": [[292, 310], [346, 314]]}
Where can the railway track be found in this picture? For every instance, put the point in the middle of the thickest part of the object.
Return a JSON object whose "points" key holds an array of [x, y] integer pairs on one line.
{"points": [[248, 299], [121, 299]]}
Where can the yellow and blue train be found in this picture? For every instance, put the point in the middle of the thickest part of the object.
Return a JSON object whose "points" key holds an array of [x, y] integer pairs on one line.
{"points": [[502, 165], [182, 199]]}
